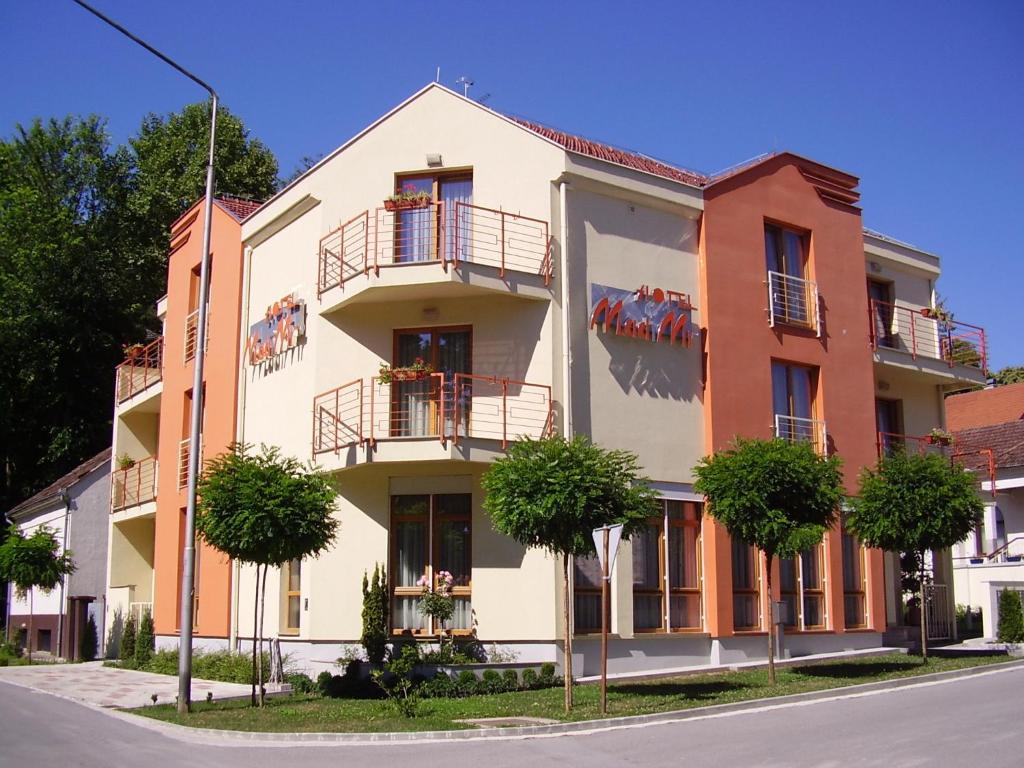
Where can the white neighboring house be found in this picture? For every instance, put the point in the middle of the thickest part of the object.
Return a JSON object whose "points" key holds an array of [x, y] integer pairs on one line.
{"points": [[75, 507], [993, 559]]}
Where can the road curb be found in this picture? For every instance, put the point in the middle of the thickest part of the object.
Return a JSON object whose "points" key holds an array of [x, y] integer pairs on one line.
{"points": [[248, 738]]}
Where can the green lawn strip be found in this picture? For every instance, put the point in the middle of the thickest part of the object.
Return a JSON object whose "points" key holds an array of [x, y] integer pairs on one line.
{"points": [[298, 714]]}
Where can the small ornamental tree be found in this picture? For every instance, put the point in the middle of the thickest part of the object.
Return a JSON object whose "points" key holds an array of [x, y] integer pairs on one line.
{"points": [[33, 561], [552, 493], [1011, 617], [265, 509], [88, 642], [145, 643], [776, 495], [127, 649], [375, 616], [915, 503]]}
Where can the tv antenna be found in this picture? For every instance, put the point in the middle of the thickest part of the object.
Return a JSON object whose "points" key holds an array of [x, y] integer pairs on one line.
{"points": [[465, 82]]}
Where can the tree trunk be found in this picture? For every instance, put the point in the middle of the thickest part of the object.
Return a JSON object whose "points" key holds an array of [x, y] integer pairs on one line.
{"points": [[263, 608], [567, 666], [255, 619], [31, 611], [771, 620], [924, 609]]}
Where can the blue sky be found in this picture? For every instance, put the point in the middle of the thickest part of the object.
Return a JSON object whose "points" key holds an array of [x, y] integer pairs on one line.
{"points": [[922, 100]]}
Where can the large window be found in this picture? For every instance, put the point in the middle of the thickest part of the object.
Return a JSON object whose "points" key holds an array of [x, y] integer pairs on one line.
{"points": [[792, 297], [889, 423], [291, 578], [803, 589], [421, 233], [793, 403], [746, 582], [666, 561], [854, 582], [586, 579], [429, 534], [880, 298], [422, 408]]}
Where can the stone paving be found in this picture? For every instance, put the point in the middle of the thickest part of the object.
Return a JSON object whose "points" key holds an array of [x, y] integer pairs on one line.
{"points": [[92, 683]]}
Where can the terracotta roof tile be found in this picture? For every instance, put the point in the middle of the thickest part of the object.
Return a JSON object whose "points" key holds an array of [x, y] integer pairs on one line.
{"points": [[610, 154], [1005, 440], [66, 481], [985, 407], [238, 207]]}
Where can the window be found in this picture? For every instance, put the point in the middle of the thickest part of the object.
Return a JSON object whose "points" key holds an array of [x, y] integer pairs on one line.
{"points": [[793, 403], [889, 423], [192, 319], [420, 232], [586, 579], [854, 582], [746, 593], [792, 298], [803, 589], [291, 577], [881, 307], [666, 557], [417, 406], [430, 533]]}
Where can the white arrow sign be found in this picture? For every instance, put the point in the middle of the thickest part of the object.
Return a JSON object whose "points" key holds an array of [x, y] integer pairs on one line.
{"points": [[614, 535]]}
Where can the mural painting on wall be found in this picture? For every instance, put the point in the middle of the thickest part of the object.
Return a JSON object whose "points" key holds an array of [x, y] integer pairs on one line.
{"points": [[282, 328], [647, 313]]}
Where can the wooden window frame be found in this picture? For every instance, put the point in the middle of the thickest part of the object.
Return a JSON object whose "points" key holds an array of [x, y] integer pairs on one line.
{"points": [[778, 231], [435, 356], [861, 593], [288, 593], [666, 591], [436, 178], [798, 623], [756, 569]]}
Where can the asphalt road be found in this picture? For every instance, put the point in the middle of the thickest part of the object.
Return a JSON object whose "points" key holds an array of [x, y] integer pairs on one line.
{"points": [[970, 721]]}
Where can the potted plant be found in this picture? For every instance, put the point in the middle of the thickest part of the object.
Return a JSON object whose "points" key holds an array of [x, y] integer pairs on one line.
{"points": [[438, 603], [939, 437], [124, 461], [417, 371], [133, 350], [408, 197], [938, 312]]}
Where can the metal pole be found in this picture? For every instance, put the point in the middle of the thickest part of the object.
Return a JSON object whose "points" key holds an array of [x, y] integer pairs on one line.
{"points": [[188, 556], [604, 628]]}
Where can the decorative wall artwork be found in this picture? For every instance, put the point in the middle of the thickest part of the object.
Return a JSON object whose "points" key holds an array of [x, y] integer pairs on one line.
{"points": [[645, 313], [282, 327]]}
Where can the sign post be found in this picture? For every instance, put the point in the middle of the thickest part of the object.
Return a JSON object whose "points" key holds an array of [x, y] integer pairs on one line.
{"points": [[606, 541]]}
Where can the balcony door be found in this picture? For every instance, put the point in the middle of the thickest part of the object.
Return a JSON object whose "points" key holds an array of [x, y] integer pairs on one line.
{"points": [[424, 234], [423, 408], [880, 298], [793, 400]]}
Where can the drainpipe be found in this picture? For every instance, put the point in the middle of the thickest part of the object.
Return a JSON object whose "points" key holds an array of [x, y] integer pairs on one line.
{"points": [[66, 498], [563, 278]]}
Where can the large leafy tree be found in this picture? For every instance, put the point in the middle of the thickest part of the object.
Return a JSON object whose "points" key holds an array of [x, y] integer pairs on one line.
{"points": [[264, 509], [776, 495], [551, 493], [170, 153], [73, 289], [34, 561], [915, 503]]}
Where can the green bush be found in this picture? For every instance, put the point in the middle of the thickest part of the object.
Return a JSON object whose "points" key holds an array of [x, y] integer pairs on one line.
{"points": [[547, 672], [396, 681], [144, 641], [128, 640], [89, 640], [511, 680], [223, 666], [300, 683], [441, 686], [530, 680], [375, 616], [1011, 617]]}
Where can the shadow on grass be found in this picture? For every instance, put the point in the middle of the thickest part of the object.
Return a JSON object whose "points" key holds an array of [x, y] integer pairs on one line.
{"points": [[849, 671], [695, 691]]}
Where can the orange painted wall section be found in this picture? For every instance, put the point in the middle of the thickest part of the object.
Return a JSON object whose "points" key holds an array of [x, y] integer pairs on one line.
{"points": [[213, 575], [740, 345]]}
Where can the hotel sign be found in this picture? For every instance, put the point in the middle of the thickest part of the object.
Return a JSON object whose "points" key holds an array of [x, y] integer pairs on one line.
{"points": [[282, 328], [645, 313]]}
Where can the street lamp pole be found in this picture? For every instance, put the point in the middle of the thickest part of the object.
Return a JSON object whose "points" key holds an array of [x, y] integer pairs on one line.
{"points": [[194, 449]]}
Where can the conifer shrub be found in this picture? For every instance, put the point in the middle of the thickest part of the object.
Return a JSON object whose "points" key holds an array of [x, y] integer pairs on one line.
{"points": [[127, 652], [1011, 617], [89, 640], [375, 616], [145, 643]]}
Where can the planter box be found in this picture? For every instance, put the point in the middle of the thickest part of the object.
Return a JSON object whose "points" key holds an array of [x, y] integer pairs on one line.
{"points": [[406, 205]]}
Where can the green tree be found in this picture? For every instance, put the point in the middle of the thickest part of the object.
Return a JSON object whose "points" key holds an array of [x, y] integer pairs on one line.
{"points": [[31, 562], [144, 641], [1011, 617], [776, 495], [375, 615], [551, 493], [1011, 374], [170, 154], [264, 509], [126, 652], [87, 644], [915, 503], [73, 288]]}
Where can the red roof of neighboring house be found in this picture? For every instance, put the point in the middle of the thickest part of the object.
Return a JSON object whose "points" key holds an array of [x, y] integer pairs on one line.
{"points": [[611, 154], [1006, 441], [72, 477], [985, 407], [238, 207]]}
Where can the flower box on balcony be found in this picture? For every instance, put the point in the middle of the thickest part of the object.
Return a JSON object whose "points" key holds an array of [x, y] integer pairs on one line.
{"points": [[939, 437], [418, 371], [404, 205]]}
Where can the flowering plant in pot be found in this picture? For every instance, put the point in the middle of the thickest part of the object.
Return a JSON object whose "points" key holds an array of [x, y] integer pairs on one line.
{"points": [[939, 437], [415, 372], [408, 197], [438, 602]]}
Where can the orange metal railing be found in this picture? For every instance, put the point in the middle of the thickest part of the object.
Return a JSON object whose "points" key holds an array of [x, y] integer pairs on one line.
{"points": [[142, 368], [133, 485], [184, 450], [450, 234], [192, 333], [916, 331], [436, 406], [889, 442]]}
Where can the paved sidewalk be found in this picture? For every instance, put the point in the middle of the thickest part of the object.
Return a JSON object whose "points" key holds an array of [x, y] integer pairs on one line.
{"points": [[92, 683]]}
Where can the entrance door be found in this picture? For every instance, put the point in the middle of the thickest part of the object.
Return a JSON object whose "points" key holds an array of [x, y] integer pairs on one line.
{"points": [[417, 406]]}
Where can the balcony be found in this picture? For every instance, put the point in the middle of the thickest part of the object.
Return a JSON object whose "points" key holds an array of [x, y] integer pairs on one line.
{"points": [[141, 370], [184, 451], [465, 248], [907, 336], [436, 417], [793, 301], [192, 333], [797, 429], [133, 486], [981, 462]]}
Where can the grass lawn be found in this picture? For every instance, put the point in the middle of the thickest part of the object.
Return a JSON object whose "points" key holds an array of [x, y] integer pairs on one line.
{"points": [[311, 713]]}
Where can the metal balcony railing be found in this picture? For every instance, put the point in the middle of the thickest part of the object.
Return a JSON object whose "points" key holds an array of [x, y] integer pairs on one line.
{"points": [[192, 333], [917, 332], [436, 406], [142, 368], [184, 451], [133, 485], [440, 233], [793, 301], [888, 443], [138, 610], [796, 428]]}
